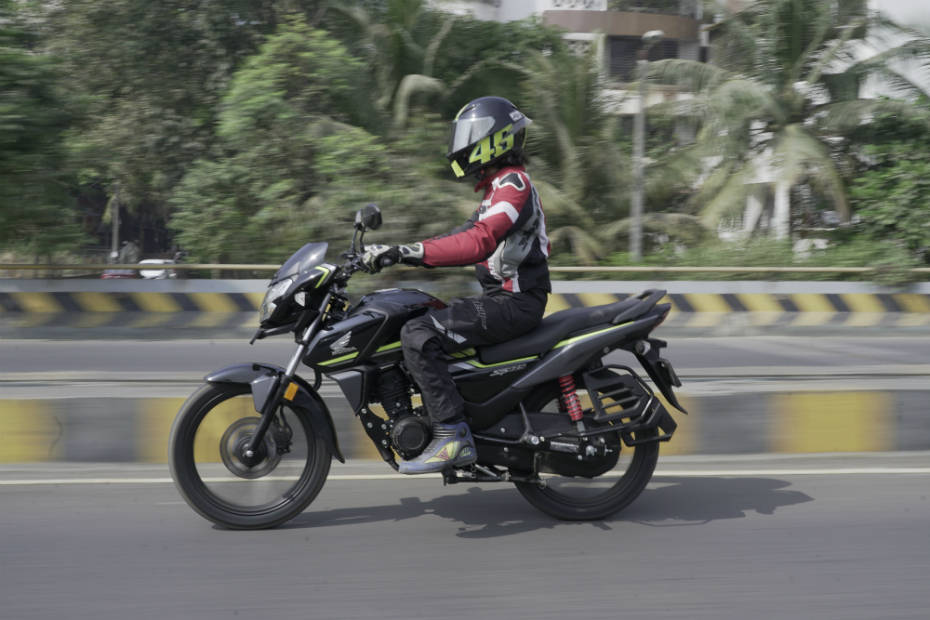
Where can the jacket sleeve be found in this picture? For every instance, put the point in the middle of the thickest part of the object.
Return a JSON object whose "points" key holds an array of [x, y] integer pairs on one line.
{"points": [[475, 243]]}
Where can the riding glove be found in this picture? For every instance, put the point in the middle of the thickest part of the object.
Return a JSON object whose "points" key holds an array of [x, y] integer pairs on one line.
{"points": [[378, 256]]}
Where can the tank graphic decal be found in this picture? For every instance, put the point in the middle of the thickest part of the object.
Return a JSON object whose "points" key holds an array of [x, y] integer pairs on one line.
{"points": [[336, 360], [344, 358], [478, 364]]}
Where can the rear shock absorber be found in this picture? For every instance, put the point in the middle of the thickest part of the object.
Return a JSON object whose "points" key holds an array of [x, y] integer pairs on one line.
{"points": [[570, 399]]}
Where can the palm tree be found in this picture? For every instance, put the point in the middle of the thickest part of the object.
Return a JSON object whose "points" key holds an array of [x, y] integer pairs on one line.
{"points": [[401, 65], [784, 91], [575, 149]]}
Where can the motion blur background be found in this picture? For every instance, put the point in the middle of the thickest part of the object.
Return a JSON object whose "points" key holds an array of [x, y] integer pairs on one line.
{"points": [[234, 132], [789, 138]]}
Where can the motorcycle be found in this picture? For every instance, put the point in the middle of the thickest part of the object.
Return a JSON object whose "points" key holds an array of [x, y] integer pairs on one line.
{"points": [[577, 436]]}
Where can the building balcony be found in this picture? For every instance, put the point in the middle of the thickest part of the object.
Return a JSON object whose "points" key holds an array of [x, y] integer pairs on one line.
{"points": [[625, 23]]}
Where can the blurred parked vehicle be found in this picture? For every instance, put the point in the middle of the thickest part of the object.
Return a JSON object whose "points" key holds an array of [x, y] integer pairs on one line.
{"points": [[157, 274], [119, 274]]}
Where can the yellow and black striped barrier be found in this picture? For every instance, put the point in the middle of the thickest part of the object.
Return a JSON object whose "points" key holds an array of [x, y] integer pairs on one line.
{"points": [[781, 309], [689, 310], [130, 309]]}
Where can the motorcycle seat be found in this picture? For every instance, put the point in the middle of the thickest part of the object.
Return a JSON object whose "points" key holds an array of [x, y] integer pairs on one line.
{"points": [[558, 325]]}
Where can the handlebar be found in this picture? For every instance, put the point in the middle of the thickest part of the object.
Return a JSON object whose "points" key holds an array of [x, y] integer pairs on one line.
{"points": [[354, 263]]}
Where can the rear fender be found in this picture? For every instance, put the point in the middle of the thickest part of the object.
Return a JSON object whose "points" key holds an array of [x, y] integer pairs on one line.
{"points": [[262, 379], [659, 369]]}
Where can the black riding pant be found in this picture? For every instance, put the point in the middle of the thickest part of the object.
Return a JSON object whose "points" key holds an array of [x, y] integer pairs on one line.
{"points": [[464, 323]]}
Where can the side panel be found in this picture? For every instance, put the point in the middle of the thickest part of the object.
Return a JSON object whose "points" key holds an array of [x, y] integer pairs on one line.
{"points": [[356, 384], [488, 388], [340, 345]]}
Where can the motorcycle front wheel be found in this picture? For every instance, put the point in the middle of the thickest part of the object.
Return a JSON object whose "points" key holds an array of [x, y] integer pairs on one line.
{"points": [[218, 482], [580, 498]]}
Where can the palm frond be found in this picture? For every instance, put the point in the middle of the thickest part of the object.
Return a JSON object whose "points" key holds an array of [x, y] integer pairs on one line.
{"points": [[689, 74], [433, 47], [797, 154], [693, 107], [915, 51], [901, 84], [733, 185], [583, 244], [846, 116], [409, 85], [559, 204], [831, 53], [741, 100], [669, 223]]}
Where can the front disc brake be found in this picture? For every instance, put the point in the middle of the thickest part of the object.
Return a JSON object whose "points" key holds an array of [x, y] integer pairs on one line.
{"points": [[233, 445]]}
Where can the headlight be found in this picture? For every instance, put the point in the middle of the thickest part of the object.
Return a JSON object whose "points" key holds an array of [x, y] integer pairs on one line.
{"points": [[275, 291]]}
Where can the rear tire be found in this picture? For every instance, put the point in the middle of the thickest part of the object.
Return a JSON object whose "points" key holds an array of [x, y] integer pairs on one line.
{"points": [[560, 504], [211, 486]]}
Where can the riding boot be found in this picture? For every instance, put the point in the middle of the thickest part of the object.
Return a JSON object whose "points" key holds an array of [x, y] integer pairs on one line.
{"points": [[452, 446]]}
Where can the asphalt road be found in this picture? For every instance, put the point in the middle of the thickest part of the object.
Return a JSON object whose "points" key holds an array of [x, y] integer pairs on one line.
{"points": [[193, 359], [769, 539]]}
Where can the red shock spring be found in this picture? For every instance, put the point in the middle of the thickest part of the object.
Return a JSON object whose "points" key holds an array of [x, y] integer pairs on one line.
{"points": [[569, 398]]}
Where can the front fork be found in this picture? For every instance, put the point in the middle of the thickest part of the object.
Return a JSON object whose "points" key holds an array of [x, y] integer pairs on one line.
{"points": [[283, 388]]}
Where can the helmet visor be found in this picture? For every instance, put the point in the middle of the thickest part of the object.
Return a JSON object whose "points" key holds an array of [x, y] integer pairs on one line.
{"points": [[466, 131]]}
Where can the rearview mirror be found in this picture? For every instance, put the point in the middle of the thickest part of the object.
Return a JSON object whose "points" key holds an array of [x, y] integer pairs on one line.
{"points": [[368, 218]]}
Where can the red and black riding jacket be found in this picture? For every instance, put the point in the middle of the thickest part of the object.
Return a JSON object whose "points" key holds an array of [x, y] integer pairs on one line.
{"points": [[505, 238]]}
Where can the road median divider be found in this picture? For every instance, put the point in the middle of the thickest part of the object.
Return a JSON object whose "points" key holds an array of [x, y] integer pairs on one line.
{"points": [[769, 418]]}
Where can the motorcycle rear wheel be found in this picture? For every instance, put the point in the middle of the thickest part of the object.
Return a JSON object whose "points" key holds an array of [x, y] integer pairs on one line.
{"points": [[206, 464], [576, 498]]}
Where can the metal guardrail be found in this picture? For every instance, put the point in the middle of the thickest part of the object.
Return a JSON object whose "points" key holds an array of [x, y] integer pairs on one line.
{"points": [[572, 269], [136, 266]]}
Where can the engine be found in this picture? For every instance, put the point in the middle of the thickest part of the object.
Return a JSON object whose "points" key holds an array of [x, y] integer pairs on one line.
{"points": [[410, 431]]}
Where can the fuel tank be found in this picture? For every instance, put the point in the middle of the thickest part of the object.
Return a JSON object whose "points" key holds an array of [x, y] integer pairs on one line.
{"points": [[371, 329]]}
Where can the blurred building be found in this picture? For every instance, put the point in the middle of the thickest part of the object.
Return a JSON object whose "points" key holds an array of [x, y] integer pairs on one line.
{"points": [[614, 28]]}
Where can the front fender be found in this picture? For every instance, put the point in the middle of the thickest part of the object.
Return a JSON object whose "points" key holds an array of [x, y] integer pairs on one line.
{"points": [[262, 378]]}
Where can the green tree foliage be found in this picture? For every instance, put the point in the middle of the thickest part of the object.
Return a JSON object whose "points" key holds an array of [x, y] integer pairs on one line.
{"points": [[891, 192], [295, 162], [150, 76], [279, 115], [574, 144], [416, 54], [162, 122], [37, 213]]}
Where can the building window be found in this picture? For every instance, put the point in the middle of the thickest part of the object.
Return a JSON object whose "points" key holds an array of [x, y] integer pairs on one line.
{"points": [[623, 52]]}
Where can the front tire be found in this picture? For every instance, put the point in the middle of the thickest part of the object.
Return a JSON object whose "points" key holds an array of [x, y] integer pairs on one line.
{"points": [[209, 471], [583, 499]]}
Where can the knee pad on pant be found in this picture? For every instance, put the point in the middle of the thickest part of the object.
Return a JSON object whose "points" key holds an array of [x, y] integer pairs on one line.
{"points": [[417, 332]]}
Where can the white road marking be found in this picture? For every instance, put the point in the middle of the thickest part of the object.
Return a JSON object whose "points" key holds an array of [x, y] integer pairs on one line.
{"points": [[671, 473]]}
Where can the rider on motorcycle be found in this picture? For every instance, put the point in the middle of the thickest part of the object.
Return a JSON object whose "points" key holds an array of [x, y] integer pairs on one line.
{"points": [[505, 238]]}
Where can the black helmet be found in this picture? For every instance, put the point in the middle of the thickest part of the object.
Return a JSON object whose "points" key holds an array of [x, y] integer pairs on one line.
{"points": [[484, 131]]}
